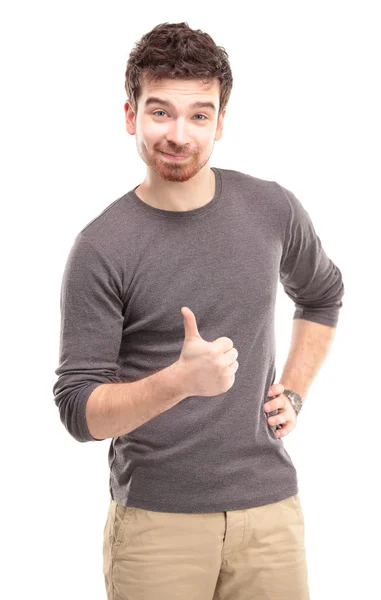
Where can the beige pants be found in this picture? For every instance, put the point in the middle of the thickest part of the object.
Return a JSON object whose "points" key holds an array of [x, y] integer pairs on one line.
{"points": [[251, 554]]}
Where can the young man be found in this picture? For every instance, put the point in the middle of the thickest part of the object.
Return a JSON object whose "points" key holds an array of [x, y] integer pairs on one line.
{"points": [[160, 294]]}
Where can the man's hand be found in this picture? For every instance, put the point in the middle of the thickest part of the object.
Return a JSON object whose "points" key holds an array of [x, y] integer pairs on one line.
{"points": [[286, 415]]}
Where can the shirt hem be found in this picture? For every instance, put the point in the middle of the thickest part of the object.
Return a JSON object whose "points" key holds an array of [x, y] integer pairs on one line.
{"points": [[135, 502]]}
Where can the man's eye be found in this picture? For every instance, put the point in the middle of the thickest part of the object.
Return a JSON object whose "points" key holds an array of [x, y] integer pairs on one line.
{"points": [[199, 115]]}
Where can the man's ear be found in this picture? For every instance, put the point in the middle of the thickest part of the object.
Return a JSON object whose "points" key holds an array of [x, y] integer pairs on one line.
{"points": [[220, 126], [130, 118]]}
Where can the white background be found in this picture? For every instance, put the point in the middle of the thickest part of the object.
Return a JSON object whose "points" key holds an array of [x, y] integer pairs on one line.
{"points": [[304, 111]]}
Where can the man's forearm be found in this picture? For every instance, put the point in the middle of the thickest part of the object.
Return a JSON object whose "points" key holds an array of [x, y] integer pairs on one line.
{"points": [[115, 409], [309, 347]]}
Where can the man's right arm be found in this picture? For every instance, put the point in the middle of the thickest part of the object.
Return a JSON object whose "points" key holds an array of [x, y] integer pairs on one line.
{"points": [[115, 409], [93, 400]]}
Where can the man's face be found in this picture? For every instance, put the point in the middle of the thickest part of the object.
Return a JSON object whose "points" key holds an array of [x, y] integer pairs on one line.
{"points": [[176, 128]]}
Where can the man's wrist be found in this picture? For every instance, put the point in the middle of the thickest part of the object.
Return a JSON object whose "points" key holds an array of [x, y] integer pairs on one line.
{"points": [[295, 399], [181, 378]]}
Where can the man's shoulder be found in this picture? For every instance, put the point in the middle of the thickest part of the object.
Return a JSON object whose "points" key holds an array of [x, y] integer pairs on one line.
{"points": [[234, 175], [110, 215], [270, 190], [108, 233]]}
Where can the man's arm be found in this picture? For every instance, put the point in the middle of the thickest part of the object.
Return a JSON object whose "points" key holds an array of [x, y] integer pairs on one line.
{"points": [[309, 277], [315, 284], [115, 409], [309, 347]]}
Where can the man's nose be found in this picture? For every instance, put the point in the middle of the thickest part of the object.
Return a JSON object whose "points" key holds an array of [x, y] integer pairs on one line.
{"points": [[177, 134]]}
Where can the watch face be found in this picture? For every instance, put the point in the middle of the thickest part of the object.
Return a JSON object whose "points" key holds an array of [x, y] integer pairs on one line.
{"points": [[292, 394], [295, 399]]}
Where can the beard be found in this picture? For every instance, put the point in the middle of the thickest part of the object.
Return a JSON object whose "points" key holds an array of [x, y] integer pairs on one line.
{"points": [[172, 170]]}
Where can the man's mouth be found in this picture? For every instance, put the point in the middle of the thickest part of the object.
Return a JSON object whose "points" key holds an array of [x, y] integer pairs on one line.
{"points": [[174, 155]]}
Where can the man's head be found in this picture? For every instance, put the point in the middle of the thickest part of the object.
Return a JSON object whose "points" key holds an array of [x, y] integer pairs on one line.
{"points": [[179, 66]]}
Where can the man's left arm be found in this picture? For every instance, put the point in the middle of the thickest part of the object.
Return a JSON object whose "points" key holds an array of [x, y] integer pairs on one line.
{"points": [[310, 344], [315, 284], [309, 347]]}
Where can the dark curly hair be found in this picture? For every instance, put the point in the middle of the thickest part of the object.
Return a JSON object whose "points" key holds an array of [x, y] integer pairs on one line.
{"points": [[174, 50]]}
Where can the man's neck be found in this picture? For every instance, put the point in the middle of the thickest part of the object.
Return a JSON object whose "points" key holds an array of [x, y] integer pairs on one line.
{"points": [[175, 198]]}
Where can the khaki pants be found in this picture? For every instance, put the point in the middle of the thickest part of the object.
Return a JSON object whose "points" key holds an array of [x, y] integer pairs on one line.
{"points": [[251, 554]]}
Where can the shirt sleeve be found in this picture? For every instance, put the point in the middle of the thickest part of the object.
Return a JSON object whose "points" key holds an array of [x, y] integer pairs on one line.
{"points": [[308, 275], [90, 334]]}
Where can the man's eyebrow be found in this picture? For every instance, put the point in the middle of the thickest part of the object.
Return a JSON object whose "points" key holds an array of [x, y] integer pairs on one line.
{"points": [[199, 104]]}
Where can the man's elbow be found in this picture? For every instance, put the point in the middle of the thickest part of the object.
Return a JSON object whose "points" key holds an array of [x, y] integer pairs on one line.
{"points": [[72, 411]]}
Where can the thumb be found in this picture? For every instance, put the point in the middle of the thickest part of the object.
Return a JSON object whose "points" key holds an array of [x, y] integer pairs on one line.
{"points": [[190, 324]]}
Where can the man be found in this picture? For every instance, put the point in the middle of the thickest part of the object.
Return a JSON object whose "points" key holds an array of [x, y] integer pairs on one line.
{"points": [[160, 294]]}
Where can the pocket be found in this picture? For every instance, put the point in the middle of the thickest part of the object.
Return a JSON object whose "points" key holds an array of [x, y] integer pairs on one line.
{"points": [[299, 507], [122, 516], [119, 518], [291, 510]]}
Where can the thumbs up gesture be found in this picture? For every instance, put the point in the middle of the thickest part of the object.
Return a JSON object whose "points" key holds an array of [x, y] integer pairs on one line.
{"points": [[207, 367]]}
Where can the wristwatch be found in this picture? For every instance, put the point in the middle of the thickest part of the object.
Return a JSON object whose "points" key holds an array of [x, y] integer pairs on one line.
{"points": [[295, 400]]}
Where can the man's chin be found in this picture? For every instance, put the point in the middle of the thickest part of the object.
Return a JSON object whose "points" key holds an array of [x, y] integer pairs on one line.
{"points": [[171, 175], [173, 172]]}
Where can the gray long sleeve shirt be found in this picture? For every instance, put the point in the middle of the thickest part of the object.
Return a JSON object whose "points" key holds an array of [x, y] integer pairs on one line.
{"points": [[128, 273]]}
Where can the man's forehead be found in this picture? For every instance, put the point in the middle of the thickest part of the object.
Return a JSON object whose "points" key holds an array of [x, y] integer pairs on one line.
{"points": [[195, 86]]}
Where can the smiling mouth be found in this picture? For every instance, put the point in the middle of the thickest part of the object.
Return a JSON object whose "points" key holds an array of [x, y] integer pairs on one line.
{"points": [[174, 155]]}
